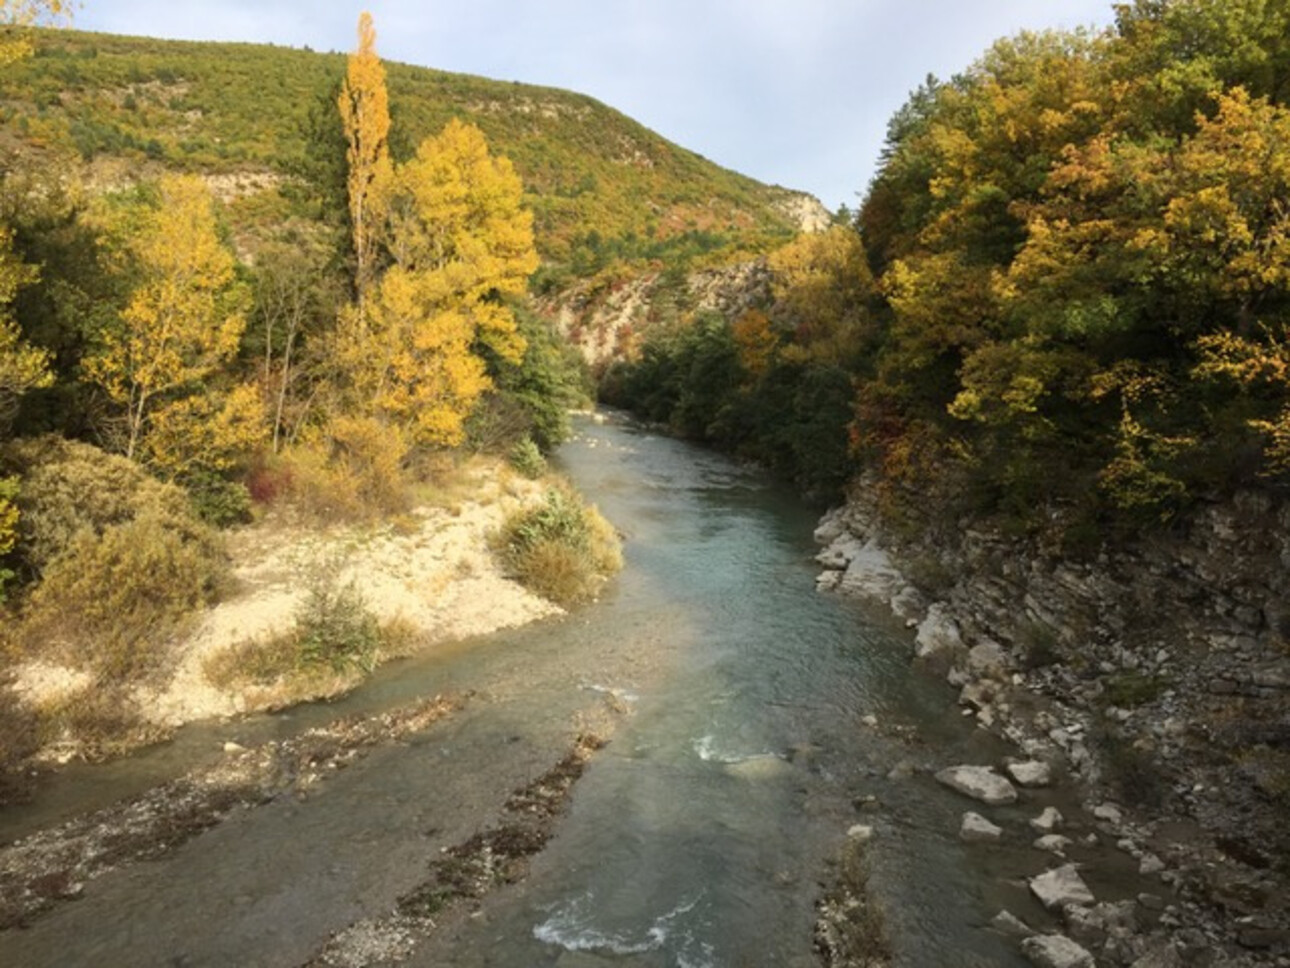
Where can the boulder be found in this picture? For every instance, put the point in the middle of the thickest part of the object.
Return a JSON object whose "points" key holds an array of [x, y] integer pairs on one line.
{"points": [[1110, 813], [870, 573], [840, 551], [1032, 773], [938, 634], [987, 660], [1048, 821], [1163, 955], [976, 829], [1053, 843], [831, 527], [1007, 923], [1060, 887], [1056, 951], [980, 783]]}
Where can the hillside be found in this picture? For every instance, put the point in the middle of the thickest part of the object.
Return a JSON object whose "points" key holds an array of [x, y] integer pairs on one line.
{"points": [[601, 186]]}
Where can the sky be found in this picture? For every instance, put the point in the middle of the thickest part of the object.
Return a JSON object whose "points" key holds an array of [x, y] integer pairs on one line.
{"points": [[792, 92]]}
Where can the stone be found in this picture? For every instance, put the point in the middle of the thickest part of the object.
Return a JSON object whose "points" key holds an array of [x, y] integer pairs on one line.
{"points": [[1163, 955], [987, 660], [870, 573], [1060, 887], [1032, 773], [938, 634], [1053, 843], [909, 603], [831, 527], [860, 833], [1007, 923], [1110, 813], [976, 829], [976, 695], [232, 747], [840, 552], [1048, 821], [980, 783], [1150, 864], [1056, 951], [763, 767], [870, 720], [828, 581]]}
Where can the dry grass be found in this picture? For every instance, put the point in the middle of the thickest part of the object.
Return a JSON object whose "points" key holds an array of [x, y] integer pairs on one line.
{"points": [[561, 549]]}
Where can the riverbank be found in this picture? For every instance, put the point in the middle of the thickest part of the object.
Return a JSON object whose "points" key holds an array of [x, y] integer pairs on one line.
{"points": [[1149, 682], [426, 578]]}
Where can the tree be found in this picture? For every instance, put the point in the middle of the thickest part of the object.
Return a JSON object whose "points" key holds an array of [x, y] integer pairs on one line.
{"points": [[17, 15], [365, 116], [182, 324], [460, 245], [23, 367]]}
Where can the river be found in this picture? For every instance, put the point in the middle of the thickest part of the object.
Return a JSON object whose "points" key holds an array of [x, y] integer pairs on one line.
{"points": [[698, 837]]}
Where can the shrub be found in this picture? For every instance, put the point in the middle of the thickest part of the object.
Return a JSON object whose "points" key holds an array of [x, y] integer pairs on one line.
{"points": [[526, 458], [334, 627], [218, 501], [111, 603], [354, 470], [69, 488], [121, 557], [561, 549], [8, 528]]}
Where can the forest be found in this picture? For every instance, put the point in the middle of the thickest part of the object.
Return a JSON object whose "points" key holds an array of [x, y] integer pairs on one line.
{"points": [[167, 372], [1062, 302]]}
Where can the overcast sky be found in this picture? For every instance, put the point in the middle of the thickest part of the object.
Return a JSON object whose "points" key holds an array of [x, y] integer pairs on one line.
{"points": [[792, 92]]}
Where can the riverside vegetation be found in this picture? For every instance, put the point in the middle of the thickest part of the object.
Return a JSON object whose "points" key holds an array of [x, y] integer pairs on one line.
{"points": [[350, 353]]}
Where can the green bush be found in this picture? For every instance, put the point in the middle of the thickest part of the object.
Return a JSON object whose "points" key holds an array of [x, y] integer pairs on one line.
{"points": [[526, 458], [218, 501], [561, 549], [335, 628]]}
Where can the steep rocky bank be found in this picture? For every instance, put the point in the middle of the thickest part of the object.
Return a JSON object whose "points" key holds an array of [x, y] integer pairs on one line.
{"points": [[605, 320], [1156, 675]]}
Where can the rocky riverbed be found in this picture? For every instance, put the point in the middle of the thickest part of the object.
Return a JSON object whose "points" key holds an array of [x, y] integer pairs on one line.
{"points": [[1151, 685]]}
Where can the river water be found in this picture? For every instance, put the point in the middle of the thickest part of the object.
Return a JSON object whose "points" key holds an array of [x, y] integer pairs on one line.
{"points": [[698, 837]]}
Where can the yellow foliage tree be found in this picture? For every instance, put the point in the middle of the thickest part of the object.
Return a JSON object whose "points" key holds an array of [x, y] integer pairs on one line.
{"points": [[181, 326], [460, 244], [14, 44], [823, 282], [365, 116]]}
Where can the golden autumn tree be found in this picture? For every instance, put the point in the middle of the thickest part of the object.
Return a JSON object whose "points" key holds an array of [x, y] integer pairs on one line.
{"points": [[16, 15], [365, 117], [460, 245], [164, 362]]}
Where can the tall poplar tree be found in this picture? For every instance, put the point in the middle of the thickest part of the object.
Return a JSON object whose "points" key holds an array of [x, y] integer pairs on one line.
{"points": [[365, 116]]}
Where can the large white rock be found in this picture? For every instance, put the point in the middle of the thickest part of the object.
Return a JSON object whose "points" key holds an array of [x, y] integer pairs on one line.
{"points": [[840, 551], [1048, 821], [1053, 843], [1005, 922], [937, 633], [831, 527], [871, 573], [1060, 887], [976, 829], [1056, 951], [1032, 773], [979, 783]]}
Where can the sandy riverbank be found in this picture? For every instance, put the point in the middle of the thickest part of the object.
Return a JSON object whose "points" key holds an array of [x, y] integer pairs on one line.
{"points": [[429, 573]]}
